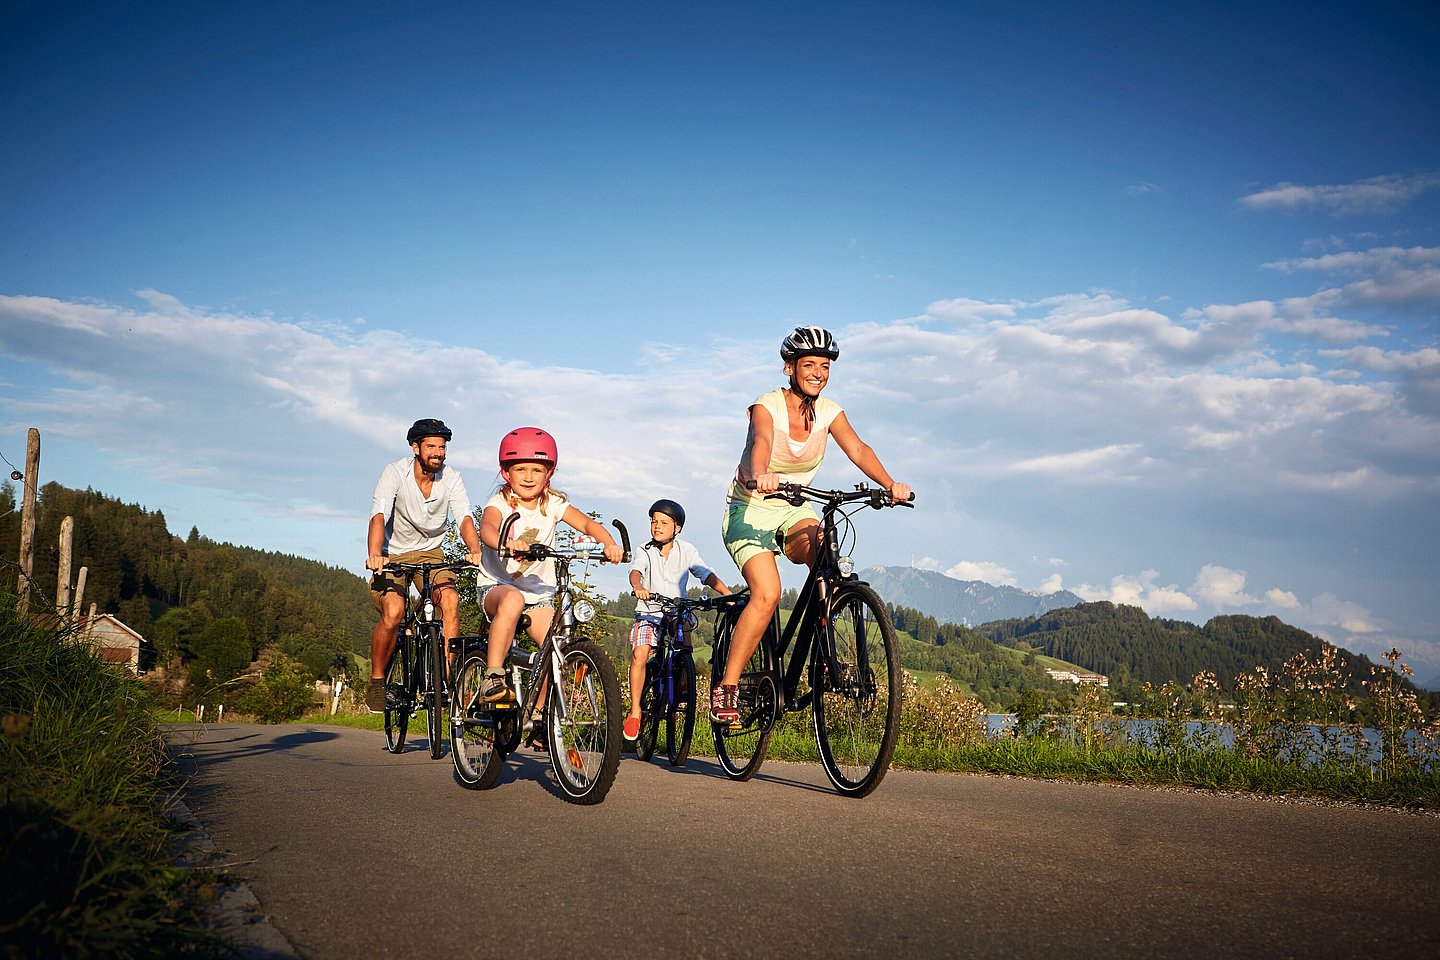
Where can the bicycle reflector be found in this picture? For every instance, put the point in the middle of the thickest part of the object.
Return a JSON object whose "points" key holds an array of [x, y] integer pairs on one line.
{"points": [[583, 610]]}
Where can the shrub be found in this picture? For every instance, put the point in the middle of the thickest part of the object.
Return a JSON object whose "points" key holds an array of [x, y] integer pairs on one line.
{"points": [[283, 692]]}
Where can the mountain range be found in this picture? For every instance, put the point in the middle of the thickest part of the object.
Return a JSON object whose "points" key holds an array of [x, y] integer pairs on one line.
{"points": [[966, 602]]}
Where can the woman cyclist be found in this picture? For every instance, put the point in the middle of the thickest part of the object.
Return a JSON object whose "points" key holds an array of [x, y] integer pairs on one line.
{"points": [[785, 444]]}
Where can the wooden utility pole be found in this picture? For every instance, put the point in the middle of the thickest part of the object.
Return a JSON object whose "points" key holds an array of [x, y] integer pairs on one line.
{"points": [[62, 580], [27, 521]]}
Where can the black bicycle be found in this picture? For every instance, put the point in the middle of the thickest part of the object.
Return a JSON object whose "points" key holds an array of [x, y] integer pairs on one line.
{"points": [[843, 660], [416, 675], [668, 696], [570, 682]]}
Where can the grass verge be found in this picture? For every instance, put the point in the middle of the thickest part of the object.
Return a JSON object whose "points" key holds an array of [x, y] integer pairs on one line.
{"points": [[84, 840]]}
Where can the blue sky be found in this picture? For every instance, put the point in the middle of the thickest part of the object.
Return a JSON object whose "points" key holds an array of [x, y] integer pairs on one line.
{"points": [[1141, 300]]}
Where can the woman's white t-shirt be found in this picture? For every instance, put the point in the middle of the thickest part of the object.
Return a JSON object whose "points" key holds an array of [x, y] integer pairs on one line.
{"points": [[533, 578]]}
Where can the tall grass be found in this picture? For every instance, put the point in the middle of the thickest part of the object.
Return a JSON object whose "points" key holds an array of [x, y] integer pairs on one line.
{"points": [[84, 848], [1297, 732]]}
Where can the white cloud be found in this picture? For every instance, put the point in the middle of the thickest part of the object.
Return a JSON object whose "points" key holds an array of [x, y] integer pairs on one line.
{"points": [[964, 310], [1375, 195], [1140, 591], [1221, 587], [1374, 260], [981, 570], [1282, 599], [1080, 466], [1051, 584]]}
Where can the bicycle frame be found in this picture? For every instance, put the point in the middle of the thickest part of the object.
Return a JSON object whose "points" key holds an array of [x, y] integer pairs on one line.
{"points": [[669, 647], [523, 663], [811, 608], [419, 638]]}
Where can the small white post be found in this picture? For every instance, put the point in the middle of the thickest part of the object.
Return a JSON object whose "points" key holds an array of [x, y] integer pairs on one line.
{"points": [[200, 713], [335, 701]]}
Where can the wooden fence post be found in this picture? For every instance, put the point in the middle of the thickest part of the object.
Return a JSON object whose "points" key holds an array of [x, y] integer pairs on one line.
{"points": [[62, 580], [79, 603], [27, 520]]}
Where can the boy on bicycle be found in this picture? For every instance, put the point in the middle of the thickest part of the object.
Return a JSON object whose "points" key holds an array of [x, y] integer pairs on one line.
{"points": [[662, 566], [414, 501]]}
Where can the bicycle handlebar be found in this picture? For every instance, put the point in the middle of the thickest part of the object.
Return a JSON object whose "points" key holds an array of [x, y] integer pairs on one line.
{"points": [[704, 603], [541, 551], [395, 566], [796, 493]]}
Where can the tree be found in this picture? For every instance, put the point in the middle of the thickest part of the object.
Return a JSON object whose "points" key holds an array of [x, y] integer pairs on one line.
{"points": [[221, 651]]}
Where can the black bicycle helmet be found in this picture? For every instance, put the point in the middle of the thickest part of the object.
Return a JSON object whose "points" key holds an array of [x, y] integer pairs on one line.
{"points": [[809, 342], [429, 427], [671, 509]]}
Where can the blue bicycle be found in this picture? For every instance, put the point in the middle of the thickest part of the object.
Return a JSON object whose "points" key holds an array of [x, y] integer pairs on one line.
{"points": [[668, 697]]}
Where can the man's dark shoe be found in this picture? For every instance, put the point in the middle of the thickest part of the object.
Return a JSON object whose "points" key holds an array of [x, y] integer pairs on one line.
{"points": [[375, 696]]}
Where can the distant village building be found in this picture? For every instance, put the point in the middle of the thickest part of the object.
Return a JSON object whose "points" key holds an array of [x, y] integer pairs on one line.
{"points": [[112, 640], [1099, 679]]}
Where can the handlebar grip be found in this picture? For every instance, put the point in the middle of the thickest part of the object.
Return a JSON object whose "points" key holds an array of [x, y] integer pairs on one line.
{"points": [[505, 535], [624, 540]]}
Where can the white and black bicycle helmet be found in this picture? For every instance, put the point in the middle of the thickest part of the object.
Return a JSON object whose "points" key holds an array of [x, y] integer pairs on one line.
{"points": [[809, 342]]}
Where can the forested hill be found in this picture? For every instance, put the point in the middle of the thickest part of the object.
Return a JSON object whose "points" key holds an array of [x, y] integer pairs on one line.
{"points": [[171, 589], [1129, 646]]}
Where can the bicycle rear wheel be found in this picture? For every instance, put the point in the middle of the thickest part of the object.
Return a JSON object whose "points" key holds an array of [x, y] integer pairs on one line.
{"points": [[650, 701], [741, 749], [397, 696], [680, 724], [585, 739], [857, 713], [473, 730], [434, 645]]}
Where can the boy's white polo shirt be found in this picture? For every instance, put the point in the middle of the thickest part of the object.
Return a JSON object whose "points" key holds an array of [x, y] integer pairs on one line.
{"points": [[667, 576]]}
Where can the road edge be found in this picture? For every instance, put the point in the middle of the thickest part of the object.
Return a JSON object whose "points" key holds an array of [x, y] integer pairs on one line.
{"points": [[236, 914]]}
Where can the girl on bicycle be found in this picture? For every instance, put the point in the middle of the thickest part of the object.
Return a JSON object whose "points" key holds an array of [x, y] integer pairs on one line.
{"points": [[508, 588], [785, 444], [663, 566]]}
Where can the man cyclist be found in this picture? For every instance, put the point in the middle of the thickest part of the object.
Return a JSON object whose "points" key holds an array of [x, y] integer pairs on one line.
{"points": [[414, 501]]}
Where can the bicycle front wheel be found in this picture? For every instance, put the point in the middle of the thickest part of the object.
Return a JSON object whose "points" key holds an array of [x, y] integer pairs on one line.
{"points": [[741, 748], [680, 724], [435, 680], [397, 697], [857, 707], [582, 721], [473, 730]]}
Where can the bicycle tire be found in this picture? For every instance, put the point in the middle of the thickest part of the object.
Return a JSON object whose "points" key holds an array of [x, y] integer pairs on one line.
{"points": [[435, 680], [857, 715], [397, 696], [585, 743], [474, 733], [650, 701], [741, 750], [680, 724]]}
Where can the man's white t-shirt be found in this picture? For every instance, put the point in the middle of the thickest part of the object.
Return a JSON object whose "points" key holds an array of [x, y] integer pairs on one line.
{"points": [[414, 521], [667, 576], [533, 578]]}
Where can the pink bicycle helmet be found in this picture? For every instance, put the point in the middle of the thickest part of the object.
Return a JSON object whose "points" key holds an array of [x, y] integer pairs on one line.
{"points": [[528, 443]]}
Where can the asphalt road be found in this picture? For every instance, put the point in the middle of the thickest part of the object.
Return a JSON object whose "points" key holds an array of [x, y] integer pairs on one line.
{"points": [[357, 854]]}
